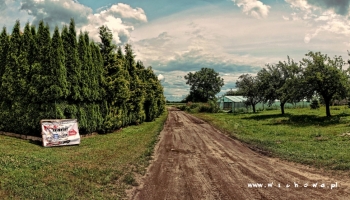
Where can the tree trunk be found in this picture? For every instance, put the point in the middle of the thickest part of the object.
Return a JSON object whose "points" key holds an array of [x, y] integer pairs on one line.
{"points": [[328, 112], [253, 105], [282, 107]]}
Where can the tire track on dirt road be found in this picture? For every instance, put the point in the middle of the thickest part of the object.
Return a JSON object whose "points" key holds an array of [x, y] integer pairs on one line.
{"points": [[193, 160]]}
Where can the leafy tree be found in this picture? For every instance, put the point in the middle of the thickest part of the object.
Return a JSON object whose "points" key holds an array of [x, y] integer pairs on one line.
{"points": [[205, 84], [249, 86], [233, 93], [325, 76], [282, 81]]}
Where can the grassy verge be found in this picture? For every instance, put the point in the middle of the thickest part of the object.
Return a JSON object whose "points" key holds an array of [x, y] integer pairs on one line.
{"points": [[101, 167], [301, 135]]}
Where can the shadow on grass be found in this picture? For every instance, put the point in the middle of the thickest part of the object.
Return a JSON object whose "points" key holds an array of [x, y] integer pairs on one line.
{"points": [[300, 120], [265, 117], [36, 142]]}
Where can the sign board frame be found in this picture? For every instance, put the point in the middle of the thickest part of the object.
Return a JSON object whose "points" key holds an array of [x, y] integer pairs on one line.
{"points": [[59, 132]]}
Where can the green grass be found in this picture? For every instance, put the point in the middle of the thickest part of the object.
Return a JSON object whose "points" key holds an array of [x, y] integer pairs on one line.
{"points": [[101, 167], [301, 135]]}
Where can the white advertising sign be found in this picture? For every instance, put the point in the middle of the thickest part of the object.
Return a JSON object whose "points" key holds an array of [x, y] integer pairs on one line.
{"points": [[60, 132]]}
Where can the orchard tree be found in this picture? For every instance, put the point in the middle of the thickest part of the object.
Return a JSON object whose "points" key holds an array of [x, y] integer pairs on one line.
{"points": [[250, 87], [282, 81], [325, 76], [233, 93], [205, 84]]}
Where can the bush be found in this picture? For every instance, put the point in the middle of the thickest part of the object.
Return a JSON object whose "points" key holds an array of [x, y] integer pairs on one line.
{"points": [[194, 105], [204, 108], [210, 107], [184, 108], [314, 104]]}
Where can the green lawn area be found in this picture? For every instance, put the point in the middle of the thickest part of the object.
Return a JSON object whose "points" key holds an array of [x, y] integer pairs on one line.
{"points": [[301, 135], [101, 167]]}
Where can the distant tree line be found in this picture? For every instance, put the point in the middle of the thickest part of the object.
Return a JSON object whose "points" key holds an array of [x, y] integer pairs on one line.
{"points": [[317, 75], [65, 75]]}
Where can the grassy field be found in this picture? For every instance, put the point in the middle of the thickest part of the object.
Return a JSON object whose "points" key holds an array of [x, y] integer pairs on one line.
{"points": [[101, 167], [301, 135]]}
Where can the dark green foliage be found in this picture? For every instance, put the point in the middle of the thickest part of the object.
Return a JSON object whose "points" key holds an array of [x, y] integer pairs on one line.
{"points": [[210, 107], [205, 84], [233, 93], [56, 88], [86, 67], [250, 87], [282, 81], [58, 77], [97, 73], [314, 104], [40, 67], [4, 45], [14, 79], [73, 66], [326, 77]]}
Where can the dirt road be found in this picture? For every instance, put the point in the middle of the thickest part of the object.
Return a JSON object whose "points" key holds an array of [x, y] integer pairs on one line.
{"points": [[193, 160]]}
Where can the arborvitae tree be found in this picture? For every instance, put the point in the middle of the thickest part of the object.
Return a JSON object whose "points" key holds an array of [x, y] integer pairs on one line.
{"points": [[107, 49], [4, 106], [29, 44], [41, 62], [4, 44], [33, 48], [116, 86], [120, 56], [14, 80], [86, 66], [150, 104], [30, 109], [137, 98], [57, 85], [73, 66], [43, 77], [98, 82], [43, 40]]}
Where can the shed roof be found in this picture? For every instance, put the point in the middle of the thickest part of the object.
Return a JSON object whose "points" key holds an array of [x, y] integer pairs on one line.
{"points": [[233, 99]]}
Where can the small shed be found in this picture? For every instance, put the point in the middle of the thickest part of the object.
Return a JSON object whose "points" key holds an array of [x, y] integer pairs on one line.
{"points": [[236, 104], [231, 102]]}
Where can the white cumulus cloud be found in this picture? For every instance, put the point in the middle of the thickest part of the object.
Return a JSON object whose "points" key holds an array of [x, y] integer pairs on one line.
{"points": [[160, 77], [254, 8], [120, 18], [322, 16]]}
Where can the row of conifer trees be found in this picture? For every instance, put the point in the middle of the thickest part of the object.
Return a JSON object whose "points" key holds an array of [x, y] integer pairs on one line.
{"points": [[67, 76]]}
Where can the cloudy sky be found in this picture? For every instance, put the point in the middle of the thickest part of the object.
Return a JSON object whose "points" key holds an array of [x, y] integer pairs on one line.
{"points": [[176, 37]]}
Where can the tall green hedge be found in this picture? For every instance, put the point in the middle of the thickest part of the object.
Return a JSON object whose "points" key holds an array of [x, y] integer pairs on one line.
{"points": [[64, 75]]}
